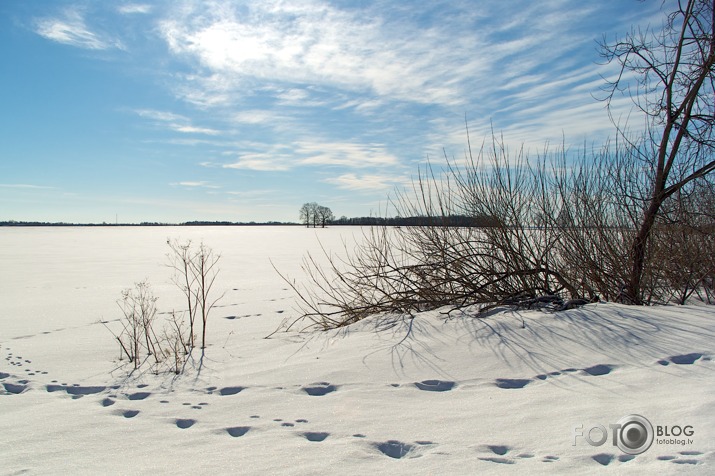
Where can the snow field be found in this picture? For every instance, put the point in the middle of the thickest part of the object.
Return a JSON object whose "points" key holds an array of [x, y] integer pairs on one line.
{"points": [[424, 396]]}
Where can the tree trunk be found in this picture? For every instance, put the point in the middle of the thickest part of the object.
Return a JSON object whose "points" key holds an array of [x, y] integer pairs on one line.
{"points": [[638, 251]]}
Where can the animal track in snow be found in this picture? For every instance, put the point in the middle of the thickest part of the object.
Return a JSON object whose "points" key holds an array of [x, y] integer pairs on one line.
{"points": [[500, 454], [139, 395], [603, 459], [594, 371], [685, 359], [238, 431], [676, 459], [226, 391], [394, 449], [184, 423], [315, 436], [14, 388], [319, 389], [435, 385], [512, 383], [601, 369], [75, 390]]}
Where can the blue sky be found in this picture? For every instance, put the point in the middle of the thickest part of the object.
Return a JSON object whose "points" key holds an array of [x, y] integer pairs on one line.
{"points": [[244, 110]]}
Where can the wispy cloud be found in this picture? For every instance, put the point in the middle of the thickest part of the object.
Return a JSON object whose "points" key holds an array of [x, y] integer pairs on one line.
{"points": [[70, 28], [346, 154], [262, 162], [309, 153], [134, 8], [195, 184], [175, 122], [313, 43], [500, 63], [369, 182], [25, 186]]}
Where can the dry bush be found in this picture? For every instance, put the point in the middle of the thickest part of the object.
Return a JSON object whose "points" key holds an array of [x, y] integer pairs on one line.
{"points": [[195, 271], [683, 247], [138, 306], [559, 235]]}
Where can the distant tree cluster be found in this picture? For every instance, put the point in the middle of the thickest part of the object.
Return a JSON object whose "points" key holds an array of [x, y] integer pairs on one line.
{"points": [[314, 214]]}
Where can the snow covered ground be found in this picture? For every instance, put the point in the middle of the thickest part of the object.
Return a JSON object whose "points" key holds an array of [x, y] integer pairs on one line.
{"points": [[430, 395]]}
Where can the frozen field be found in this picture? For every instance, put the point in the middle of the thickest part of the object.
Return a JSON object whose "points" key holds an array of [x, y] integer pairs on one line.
{"points": [[460, 396]]}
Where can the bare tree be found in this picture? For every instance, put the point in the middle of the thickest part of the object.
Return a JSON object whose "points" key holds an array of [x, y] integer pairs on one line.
{"points": [[306, 214], [313, 214], [669, 74], [324, 215]]}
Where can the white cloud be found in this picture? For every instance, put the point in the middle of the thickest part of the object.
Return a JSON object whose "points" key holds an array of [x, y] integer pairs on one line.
{"points": [[313, 44], [134, 8], [71, 29], [256, 116], [25, 186], [490, 61], [367, 182], [195, 184], [281, 157], [262, 162], [347, 154], [175, 122]]}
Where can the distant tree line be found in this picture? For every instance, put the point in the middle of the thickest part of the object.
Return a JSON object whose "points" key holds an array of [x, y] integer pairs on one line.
{"points": [[145, 223], [450, 220]]}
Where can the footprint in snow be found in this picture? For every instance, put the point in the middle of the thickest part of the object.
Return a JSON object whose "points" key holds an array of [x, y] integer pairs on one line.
{"points": [[395, 449], [226, 391], [435, 385], [512, 383], [184, 423], [676, 459], [604, 459], [75, 390], [601, 369], [139, 395], [315, 436], [499, 450], [319, 389], [502, 454], [14, 388], [238, 431], [685, 359]]}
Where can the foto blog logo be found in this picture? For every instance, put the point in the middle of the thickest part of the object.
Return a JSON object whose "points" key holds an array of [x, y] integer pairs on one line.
{"points": [[632, 434]]}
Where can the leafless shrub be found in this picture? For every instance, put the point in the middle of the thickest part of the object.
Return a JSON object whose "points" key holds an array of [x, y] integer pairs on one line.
{"points": [[560, 231], [195, 272], [683, 246], [175, 343], [138, 306]]}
